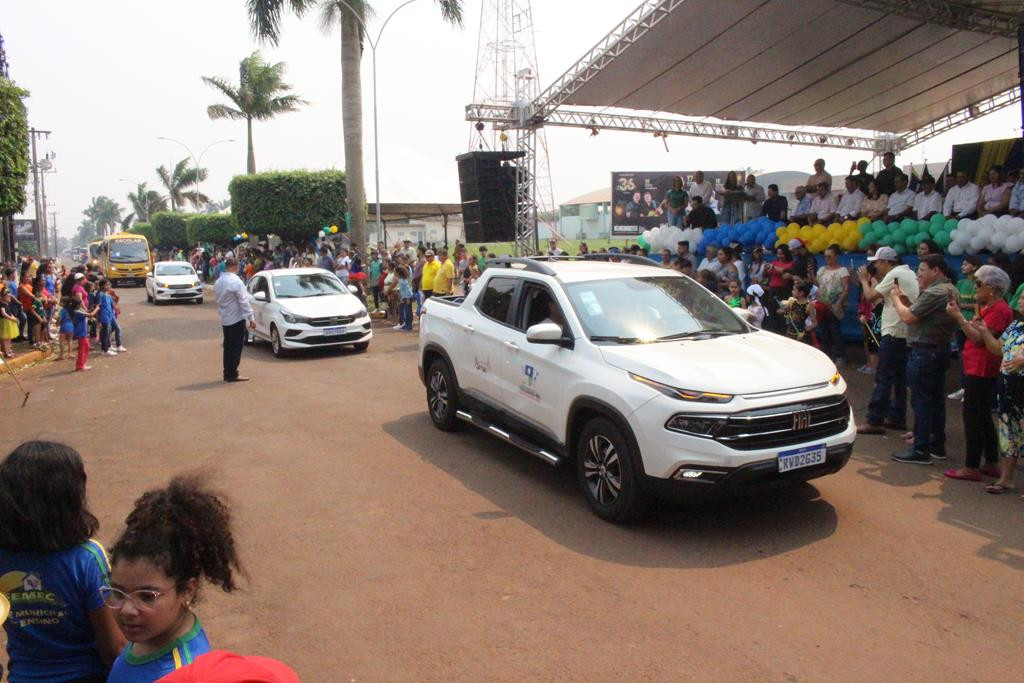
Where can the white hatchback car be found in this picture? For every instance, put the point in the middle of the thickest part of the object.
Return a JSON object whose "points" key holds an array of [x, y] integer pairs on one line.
{"points": [[173, 281], [303, 308]]}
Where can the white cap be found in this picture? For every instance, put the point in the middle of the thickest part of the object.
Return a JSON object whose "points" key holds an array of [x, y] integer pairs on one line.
{"points": [[795, 243], [885, 254]]}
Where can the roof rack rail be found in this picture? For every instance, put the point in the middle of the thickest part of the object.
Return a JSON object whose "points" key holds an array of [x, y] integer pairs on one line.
{"points": [[529, 264], [622, 258]]}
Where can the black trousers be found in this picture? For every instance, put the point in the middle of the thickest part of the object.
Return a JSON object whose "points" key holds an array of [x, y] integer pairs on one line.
{"points": [[234, 340], [979, 430]]}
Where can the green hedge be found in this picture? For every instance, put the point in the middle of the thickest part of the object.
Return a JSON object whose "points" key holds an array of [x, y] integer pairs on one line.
{"points": [[290, 204], [13, 148], [169, 230], [146, 230], [218, 228]]}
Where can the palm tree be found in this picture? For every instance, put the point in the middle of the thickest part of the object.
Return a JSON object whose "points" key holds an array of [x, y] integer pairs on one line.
{"points": [[259, 95], [146, 202], [104, 213], [177, 180], [265, 20], [218, 206]]}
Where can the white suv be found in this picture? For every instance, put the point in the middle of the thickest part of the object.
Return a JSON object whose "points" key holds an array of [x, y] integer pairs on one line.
{"points": [[644, 378]]}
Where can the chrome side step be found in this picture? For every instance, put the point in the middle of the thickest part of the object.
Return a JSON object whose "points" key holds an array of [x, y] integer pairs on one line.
{"points": [[509, 438]]}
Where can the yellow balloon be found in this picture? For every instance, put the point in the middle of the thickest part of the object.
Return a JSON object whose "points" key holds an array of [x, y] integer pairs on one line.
{"points": [[793, 226], [780, 231], [245, 235], [834, 226], [862, 220], [334, 229]]}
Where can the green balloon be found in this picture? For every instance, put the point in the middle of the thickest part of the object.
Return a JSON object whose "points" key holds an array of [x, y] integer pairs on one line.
{"points": [[943, 239], [866, 242], [899, 235], [886, 241], [938, 219], [878, 226], [901, 249], [922, 226], [951, 225], [921, 237], [908, 224], [642, 242], [865, 229]]}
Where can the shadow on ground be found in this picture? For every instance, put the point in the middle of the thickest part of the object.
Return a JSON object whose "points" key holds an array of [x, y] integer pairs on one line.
{"points": [[711, 534]]}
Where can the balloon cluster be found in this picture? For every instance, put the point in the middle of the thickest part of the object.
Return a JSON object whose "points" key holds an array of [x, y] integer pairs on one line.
{"points": [[905, 235], [969, 236], [818, 237], [331, 230], [761, 231], [240, 236], [667, 237]]}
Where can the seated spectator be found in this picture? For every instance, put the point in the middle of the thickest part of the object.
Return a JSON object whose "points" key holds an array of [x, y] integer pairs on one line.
{"points": [[803, 206], [726, 269], [927, 202], [710, 261], [776, 207], [852, 202], [961, 198], [901, 202], [819, 176], [805, 266], [859, 171], [701, 215], [737, 260], [708, 279], [823, 206], [780, 272], [666, 258], [757, 269], [1017, 193], [995, 197], [683, 250]]}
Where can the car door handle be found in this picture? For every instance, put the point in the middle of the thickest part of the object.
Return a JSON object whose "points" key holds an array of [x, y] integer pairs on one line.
{"points": [[511, 345], [467, 327]]}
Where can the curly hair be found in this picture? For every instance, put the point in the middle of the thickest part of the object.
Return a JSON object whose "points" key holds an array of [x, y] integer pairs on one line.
{"points": [[185, 529]]}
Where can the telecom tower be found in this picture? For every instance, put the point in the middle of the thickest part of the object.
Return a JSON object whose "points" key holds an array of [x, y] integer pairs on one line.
{"points": [[507, 76]]}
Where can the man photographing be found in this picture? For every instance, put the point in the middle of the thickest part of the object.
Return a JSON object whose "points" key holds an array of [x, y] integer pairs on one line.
{"points": [[234, 309]]}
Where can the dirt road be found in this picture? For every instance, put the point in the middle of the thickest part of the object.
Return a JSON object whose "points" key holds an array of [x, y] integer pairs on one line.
{"points": [[380, 549]]}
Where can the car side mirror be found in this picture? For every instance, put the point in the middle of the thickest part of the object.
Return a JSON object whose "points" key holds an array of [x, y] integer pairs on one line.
{"points": [[260, 296], [353, 289], [547, 333]]}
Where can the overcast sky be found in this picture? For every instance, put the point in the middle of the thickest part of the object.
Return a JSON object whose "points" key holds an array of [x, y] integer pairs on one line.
{"points": [[108, 77]]}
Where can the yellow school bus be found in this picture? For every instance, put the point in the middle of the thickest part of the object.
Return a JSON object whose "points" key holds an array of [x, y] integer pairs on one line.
{"points": [[124, 258]]}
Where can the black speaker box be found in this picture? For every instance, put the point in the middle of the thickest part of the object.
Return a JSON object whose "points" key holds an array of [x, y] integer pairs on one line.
{"points": [[487, 184]]}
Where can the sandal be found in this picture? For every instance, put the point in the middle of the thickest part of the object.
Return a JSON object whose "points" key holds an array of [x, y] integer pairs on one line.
{"points": [[991, 471], [965, 475], [998, 488]]}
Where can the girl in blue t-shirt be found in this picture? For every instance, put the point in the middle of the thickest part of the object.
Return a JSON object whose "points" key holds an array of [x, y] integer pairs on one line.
{"points": [[50, 571], [174, 537], [67, 326]]}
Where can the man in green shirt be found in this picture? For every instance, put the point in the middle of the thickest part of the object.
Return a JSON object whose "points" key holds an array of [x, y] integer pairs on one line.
{"points": [[674, 204]]}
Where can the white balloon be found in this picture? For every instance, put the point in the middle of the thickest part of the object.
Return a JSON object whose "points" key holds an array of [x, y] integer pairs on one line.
{"points": [[988, 219], [1017, 224], [998, 240], [956, 249], [985, 234], [1004, 221], [977, 244], [1014, 243], [953, 233], [963, 223]]}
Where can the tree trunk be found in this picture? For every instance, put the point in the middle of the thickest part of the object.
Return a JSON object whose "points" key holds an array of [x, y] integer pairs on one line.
{"points": [[251, 168], [352, 127]]}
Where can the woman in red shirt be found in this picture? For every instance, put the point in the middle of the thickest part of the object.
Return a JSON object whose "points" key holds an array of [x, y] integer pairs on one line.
{"points": [[780, 284], [981, 369]]}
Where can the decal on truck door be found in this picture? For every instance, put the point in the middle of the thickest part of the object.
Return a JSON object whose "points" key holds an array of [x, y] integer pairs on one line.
{"points": [[527, 387]]}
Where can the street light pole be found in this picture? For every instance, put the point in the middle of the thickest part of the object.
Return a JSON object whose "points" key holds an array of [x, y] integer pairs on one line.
{"points": [[194, 159], [373, 60]]}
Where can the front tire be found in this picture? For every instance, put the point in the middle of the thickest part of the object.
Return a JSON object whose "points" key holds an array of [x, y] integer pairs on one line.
{"points": [[149, 297], [361, 346], [604, 468], [199, 301], [442, 402], [275, 344]]}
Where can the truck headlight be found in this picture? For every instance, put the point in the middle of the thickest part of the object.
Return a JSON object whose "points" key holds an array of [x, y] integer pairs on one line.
{"points": [[695, 425], [683, 394]]}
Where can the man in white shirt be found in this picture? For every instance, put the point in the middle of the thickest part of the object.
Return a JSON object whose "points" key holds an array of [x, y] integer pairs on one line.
{"points": [[823, 206], [235, 311], [820, 175], [901, 202], [962, 198], [710, 261], [851, 203], [927, 202], [701, 188], [755, 198], [888, 404]]}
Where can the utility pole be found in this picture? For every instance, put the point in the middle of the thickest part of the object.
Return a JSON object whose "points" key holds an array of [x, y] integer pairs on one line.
{"points": [[41, 236], [53, 226], [44, 166]]}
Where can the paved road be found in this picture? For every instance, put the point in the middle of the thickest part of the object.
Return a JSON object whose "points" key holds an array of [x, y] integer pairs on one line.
{"points": [[381, 549]]}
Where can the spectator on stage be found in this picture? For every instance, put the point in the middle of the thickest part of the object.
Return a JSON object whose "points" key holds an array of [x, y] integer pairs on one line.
{"points": [[852, 202], [701, 188], [754, 198], [888, 405], [803, 206], [701, 215], [823, 206], [730, 201], [674, 204], [1017, 194], [819, 176], [927, 202], [930, 330], [859, 171], [710, 261], [901, 201], [995, 197], [775, 207], [886, 178], [875, 203], [962, 199]]}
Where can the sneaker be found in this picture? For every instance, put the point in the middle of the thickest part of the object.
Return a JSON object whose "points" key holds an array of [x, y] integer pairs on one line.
{"points": [[397, 327], [937, 456], [909, 456], [120, 349], [956, 395], [866, 370], [110, 352]]}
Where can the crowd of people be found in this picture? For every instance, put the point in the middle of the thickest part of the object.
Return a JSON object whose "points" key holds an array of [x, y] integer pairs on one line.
{"points": [[42, 302]]}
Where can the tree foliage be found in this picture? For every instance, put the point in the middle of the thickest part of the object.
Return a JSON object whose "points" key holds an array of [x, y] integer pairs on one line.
{"points": [[217, 228], [177, 180], [146, 202], [292, 204], [146, 230], [169, 230], [105, 215], [14, 162]]}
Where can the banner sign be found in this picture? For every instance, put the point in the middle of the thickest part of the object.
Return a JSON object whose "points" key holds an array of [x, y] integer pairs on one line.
{"points": [[636, 196], [24, 230]]}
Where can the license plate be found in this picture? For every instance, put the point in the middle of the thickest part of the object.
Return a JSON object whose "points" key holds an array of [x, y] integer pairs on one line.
{"points": [[801, 457], [332, 331]]}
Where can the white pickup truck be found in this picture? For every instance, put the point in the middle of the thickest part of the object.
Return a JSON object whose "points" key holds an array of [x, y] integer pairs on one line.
{"points": [[651, 384]]}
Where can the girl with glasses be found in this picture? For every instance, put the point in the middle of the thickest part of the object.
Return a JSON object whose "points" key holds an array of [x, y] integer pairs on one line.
{"points": [[51, 571], [174, 538]]}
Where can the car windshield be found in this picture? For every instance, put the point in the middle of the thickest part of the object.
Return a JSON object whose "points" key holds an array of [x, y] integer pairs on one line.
{"points": [[309, 284], [641, 310], [128, 250], [175, 269]]}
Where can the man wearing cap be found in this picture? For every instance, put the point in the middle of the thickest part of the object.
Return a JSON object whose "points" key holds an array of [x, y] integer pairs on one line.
{"points": [[888, 404], [803, 206], [901, 201], [430, 268], [235, 311], [805, 266], [927, 202]]}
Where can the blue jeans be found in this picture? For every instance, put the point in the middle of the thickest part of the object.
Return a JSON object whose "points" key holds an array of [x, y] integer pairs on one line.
{"points": [[926, 376], [405, 314], [676, 217], [889, 398], [115, 327]]}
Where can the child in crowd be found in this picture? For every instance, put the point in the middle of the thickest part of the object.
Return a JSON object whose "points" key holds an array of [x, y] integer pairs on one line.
{"points": [[173, 538], [51, 571], [8, 321], [734, 297], [754, 304], [799, 313], [67, 327], [115, 324], [81, 331], [404, 299], [105, 316]]}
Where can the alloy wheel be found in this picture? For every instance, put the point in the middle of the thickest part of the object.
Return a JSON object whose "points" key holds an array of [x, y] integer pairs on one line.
{"points": [[438, 395], [602, 470]]}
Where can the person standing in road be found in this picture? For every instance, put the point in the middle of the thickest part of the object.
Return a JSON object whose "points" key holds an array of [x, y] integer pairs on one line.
{"points": [[444, 278], [234, 309]]}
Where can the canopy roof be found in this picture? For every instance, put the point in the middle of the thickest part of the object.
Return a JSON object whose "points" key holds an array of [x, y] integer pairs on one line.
{"points": [[887, 66], [397, 212]]}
